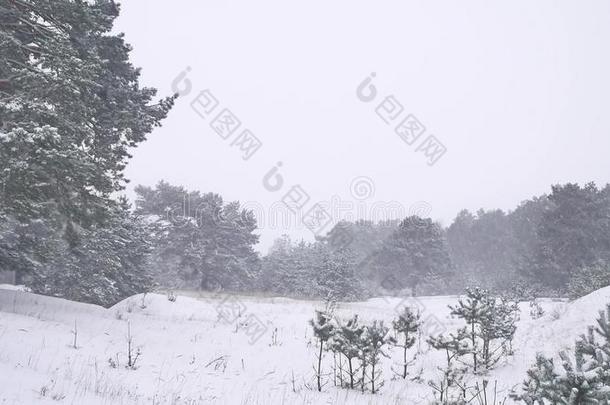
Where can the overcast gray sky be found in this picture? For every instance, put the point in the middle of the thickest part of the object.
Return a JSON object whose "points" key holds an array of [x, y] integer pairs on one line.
{"points": [[517, 91]]}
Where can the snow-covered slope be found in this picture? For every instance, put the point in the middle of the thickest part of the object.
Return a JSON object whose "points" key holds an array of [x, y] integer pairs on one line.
{"points": [[189, 355]]}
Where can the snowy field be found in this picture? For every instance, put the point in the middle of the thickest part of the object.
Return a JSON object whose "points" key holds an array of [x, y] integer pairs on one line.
{"points": [[191, 355]]}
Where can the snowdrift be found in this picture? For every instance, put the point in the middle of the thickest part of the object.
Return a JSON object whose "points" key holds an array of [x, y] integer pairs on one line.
{"points": [[17, 301], [190, 355]]}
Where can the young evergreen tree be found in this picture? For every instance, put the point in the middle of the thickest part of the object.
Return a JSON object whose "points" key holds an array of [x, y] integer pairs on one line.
{"points": [[373, 346], [584, 378], [490, 324], [323, 329], [407, 324], [471, 309], [454, 347], [347, 341]]}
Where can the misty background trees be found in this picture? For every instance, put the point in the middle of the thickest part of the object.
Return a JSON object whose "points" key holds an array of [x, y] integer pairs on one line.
{"points": [[199, 240]]}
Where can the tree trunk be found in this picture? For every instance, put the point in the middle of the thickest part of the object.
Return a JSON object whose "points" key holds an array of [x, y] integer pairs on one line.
{"points": [[474, 342], [340, 370], [404, 371], [351, 373], [319, 366], [363, 374], [334, 369]]}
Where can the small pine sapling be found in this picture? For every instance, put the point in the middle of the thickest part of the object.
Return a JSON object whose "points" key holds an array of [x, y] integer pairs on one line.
{"points": [[538, 386], [471, 309], [585, 376], [275, 341], [75, 333], [482, 393], [113, 363], [323, 328], [346, 341], [407, 325], [454, 346], [363, 347], [171, 296], [143, 301], [491, 325], [132, 355], [536, 310], [497, 328], [374, 339]]}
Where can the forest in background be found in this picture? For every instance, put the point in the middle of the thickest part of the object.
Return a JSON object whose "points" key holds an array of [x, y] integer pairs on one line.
{"points": [[552, 245], [71, 110]]}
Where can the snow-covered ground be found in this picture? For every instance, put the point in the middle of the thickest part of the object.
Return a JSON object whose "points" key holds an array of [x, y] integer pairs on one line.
{"points": [[191, 355]]}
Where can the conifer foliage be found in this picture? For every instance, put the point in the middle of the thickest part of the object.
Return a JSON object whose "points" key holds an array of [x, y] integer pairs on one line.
{"points": [[453, 346], [346, 342], [406, 326], [101, 265], [360, 348], [323, 328], [72, 110], [373, 344], [490, 326], [71, 107], [584, 377]]}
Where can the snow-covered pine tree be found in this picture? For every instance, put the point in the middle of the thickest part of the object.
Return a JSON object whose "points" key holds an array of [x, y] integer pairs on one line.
{"points": [[31, 162], [414, 254], [276, 268], [334, 273], [312, 270], [589, 279], [71, 107], [497, 327], [471, 309], [507, 315], [69, 72], [490, 324], [574, 234], [584, 378], [108, 263], [323, 329], [536, 310], [538, 386], [454, 346], [407, 324], [373, 342], [346, 340], [205, 241]]}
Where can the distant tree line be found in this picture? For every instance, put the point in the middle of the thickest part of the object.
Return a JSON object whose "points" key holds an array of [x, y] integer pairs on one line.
{"points": [[199, 241], [546, 245], [556, 244]]}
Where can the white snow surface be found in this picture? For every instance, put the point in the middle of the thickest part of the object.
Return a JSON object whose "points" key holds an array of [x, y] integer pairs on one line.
{"points": [[12, 287], [180, 340]]}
